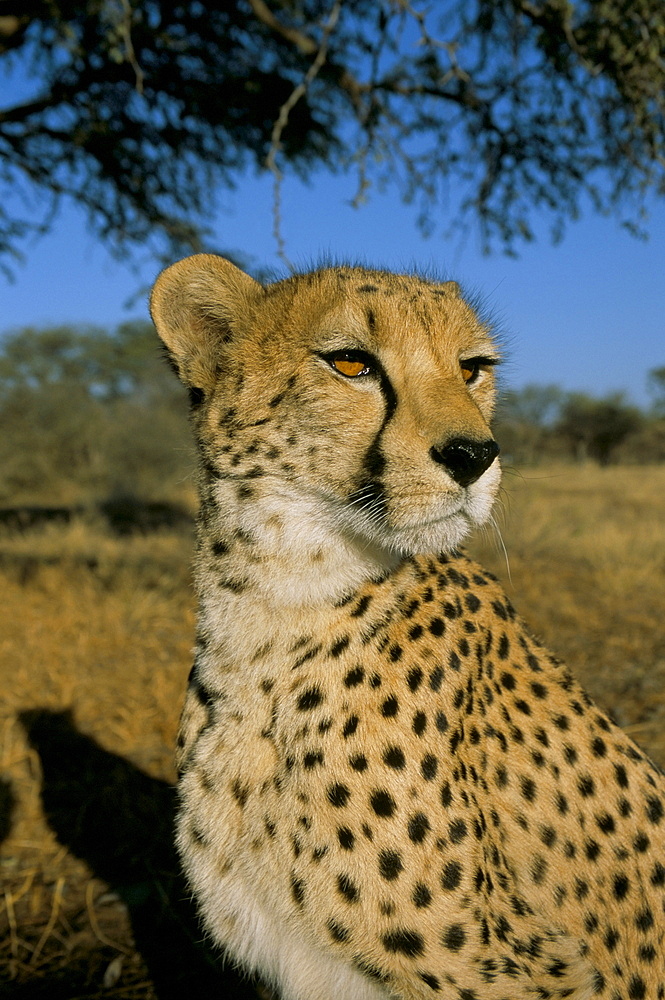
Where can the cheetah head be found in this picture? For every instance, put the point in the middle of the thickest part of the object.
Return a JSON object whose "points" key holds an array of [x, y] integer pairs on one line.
{"points": [[360, 398]]}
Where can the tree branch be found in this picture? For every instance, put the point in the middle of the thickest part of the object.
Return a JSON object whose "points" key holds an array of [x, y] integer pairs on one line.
{"points": [[303, 42]]}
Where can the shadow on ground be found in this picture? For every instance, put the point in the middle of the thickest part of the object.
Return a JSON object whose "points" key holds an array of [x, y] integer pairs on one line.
{"points": [[119, 820]]}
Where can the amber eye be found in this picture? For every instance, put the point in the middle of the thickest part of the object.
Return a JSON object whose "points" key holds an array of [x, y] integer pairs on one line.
{"points": [[350, 364], [470, 370]]}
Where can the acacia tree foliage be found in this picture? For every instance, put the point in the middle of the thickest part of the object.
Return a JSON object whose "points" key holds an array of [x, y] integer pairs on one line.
{"points": [[139, 109], [87, 411]]}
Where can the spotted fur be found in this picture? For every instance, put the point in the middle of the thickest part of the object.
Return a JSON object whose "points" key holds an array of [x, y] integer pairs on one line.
{"points": [[388, 787]]}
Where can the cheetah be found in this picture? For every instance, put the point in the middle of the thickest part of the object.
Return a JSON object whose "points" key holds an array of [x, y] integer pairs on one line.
{"points": [[388, 787]]}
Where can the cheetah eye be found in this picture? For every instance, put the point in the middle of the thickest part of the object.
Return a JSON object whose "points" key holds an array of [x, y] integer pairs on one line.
{"points": [[471, 368], [350, 363]]}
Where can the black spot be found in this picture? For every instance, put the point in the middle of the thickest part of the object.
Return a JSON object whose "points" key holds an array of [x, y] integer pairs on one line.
{"points": [[394, 757], [528, 788], [599, 747], [219, 548], [428, 767], [508, 681], [414, 678], [620, 886], [586, 786], [337, 932], [382, 803], [298, 890], [658, 874], [621, 776], [441, 722], [538, 869], [421, 895], [636, 988], [358, 762], [311, 759], [611, 939], [654, 810], [605, 823], [436, 678], [309, 655], [437, 626], [338, 647], [390, 707], [451, 876], [454, 937], [338, 795], [419, 723], [395, 652], [348, 889], [361, 606], [350, 726], [415, 632], [355, 676], [240, 793], [418, 827], [548, 836], [310, 699], [641, 843], [430, 980], [346, 838], [368, 288], [390, 865], [457, 831], [406, 942], [644, 920], [446, 794]]}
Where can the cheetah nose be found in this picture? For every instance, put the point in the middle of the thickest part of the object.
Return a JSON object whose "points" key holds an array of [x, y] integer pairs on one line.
{"points": [[465, 459]]}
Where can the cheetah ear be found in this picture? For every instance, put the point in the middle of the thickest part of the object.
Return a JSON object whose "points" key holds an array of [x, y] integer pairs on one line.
{"points": [[196, 306]]}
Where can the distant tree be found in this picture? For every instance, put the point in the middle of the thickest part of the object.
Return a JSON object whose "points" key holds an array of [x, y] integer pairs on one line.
{"points": [[102, 364], [656, 387], [86, 412], [524, 421], [139, 109], [595, 428]]}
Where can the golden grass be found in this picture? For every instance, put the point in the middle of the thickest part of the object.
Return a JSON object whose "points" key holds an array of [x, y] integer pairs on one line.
{"points": [[103, 626], [584, 563]]}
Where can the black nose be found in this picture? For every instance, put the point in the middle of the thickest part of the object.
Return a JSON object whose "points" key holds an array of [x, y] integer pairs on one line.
{"points": [[465, 459]]}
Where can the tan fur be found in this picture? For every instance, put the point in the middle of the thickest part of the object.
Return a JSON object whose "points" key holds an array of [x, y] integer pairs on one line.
{"points": [[388, 788]]}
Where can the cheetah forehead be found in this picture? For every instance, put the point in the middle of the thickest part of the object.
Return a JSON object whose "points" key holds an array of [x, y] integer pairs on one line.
{"points": [[376, 306], [204, 308]]}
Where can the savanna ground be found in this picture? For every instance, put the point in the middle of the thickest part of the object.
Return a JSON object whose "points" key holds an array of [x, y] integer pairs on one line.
{"points": [[95, 652]]}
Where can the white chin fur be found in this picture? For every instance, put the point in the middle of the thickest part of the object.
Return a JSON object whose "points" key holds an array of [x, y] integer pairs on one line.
{"points": [[444, 531]]}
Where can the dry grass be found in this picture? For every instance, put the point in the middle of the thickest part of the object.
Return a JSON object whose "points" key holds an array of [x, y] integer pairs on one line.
{"points": [[585, 566], [103, 627]]}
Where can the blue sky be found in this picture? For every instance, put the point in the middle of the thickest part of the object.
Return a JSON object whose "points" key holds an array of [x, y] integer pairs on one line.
{"points": [[587, 314]]}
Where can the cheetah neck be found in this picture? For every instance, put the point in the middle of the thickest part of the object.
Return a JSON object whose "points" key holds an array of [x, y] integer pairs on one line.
{"points": [[284, 548]]}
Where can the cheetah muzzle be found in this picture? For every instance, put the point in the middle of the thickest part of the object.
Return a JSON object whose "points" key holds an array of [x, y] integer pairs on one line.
{"points": [[388, 787]]}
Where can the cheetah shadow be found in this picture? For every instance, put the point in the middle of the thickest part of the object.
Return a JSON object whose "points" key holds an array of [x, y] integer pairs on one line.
{"points": [[119, 820], [7, 804]]}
